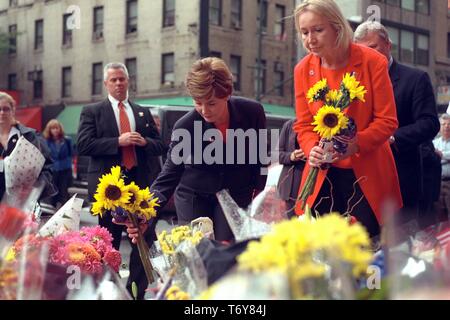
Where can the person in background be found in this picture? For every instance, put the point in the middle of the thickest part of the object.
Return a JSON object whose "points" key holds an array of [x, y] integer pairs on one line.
{"points": [[442, 145], [61, 151], [293, 159], [10, 131], [362, 180], [416, 114]]}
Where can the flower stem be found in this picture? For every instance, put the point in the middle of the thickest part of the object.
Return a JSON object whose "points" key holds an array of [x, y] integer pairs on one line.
{"points": [[143, 250], [308, 187]]}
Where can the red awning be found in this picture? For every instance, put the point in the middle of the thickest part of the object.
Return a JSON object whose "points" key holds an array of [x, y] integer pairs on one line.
{"points": [[30, 117]]}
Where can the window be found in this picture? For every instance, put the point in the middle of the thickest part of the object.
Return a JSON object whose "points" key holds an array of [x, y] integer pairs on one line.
{"points": [[423, 6], [39, 34], [66, 89], [215, 12], [98, 23], [38, 85], [278, 78], [97, 78], [168, 69], [12, 48], [408, 5], [67, 33], [236, 14], [132, 16], [407, 46], [279, 22], [131, 65], [262, 22], [260, 78], [13, 3], [235, 68], [394, 36], [216, 54], [422, 51], [12, 81], [169, 13]]}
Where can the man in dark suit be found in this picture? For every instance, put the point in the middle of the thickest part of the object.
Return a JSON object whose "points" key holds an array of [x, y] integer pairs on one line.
{"points": [[192, 170], [292, 157], [416, 112], [115, 132]]}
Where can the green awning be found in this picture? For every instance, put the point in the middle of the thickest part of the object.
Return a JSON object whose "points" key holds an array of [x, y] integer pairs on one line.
{"points": [[69, 118], [187, 101]]}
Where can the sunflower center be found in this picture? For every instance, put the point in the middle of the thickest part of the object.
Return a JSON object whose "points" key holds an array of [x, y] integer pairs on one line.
{"points": [[144, 205], [132, 198], [331, 120], [113, 192]]}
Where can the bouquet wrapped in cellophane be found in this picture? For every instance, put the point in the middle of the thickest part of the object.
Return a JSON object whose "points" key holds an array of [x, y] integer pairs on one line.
{"points": [[333, 125], [302, 259]]}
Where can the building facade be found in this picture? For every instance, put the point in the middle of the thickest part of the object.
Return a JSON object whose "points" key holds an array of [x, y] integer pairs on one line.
{"points": [[59, 47]]}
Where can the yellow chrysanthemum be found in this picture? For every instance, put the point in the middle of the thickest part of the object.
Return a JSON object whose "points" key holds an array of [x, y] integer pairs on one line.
{"points": [[147, 204], [135, 198], [352, 85], [111, 192], [318, 91], [10, 255], [175, 293], [333, 97], [306, 249], [329, 121]]}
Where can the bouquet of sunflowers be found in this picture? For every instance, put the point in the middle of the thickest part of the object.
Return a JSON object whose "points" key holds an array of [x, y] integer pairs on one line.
{"points": [[126, 203], [334, 127]]}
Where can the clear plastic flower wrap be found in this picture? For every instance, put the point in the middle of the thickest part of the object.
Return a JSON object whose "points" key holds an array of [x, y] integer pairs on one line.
{"points": [[266, 209]]}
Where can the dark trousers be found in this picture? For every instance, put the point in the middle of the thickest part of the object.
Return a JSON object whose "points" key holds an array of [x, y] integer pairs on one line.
{"points": [[341, 199], [191, 205], [63, 180], [137, 273]]}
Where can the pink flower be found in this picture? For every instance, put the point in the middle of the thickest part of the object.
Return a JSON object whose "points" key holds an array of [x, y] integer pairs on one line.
{"points": [[113, 259]]}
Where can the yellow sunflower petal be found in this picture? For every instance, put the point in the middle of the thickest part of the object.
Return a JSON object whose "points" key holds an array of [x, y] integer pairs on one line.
{"points": [[329, 121]]}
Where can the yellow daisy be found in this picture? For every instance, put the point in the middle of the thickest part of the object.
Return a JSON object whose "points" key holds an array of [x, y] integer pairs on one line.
{"points": [[147, 204], [350, 83], [111, 192], [329, 121], [318, 91]]}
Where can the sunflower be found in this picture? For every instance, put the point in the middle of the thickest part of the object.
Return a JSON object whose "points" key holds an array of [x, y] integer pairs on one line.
{"points": [[350, 84], [135, 199], [329, 121], [318, 91], [111, 192], [333, 97], [147, 204]]}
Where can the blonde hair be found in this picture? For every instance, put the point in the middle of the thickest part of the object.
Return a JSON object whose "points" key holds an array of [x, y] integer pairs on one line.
{"points": [[330, 11], [51, 124], [209, 77], [9, 99]]}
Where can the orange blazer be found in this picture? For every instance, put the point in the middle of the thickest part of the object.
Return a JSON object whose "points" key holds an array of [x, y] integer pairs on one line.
{"points": [[376, 121]]}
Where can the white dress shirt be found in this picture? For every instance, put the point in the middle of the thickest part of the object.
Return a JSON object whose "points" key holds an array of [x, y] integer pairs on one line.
{"points": [[115, 106]]}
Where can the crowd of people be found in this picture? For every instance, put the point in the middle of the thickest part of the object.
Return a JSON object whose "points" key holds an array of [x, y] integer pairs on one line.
{"points": [[392, 158]]}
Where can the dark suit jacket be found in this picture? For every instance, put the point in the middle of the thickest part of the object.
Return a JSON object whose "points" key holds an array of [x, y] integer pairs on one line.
{"points": [[291, 175], [240, 179], [418, 123], [98, 138]]}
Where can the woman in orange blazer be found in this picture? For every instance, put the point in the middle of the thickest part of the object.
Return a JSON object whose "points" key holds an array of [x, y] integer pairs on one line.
{"points": [[363, 181]]}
